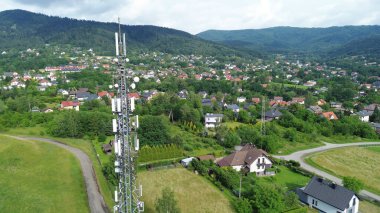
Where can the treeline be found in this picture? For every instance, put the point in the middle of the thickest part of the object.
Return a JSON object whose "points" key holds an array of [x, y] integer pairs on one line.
{"points": [[62, 124]]}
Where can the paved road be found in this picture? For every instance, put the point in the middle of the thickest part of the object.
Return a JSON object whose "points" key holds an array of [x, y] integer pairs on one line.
{"points": [[299, 156], [95, 198]]}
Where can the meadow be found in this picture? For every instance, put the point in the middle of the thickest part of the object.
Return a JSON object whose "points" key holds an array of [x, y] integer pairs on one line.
{"points": [[359, 162], [193, 192], [39, 177]]}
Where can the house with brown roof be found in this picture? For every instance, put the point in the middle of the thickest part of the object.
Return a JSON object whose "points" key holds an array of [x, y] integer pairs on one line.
{"points": [[249, 159], [70, 105], [329, 116]]}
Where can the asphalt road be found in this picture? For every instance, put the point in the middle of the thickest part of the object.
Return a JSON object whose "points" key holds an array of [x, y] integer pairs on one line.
{"points": [[95, 198], [300, 156]]}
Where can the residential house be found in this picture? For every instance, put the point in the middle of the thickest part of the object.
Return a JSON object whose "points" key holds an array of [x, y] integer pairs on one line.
{"points": [[371, 107], [278, 98], [71, 105], [63, 92], [44, 83], [321, 102], [106, 94], [329, 116], [310, 83], [48, 110], [256, 100], [85, 96], [272, 114], [298, 100], [326, 196], [376, 127], [134, 95], [213, 120], [207, 102], [336, 105], [315, 109], [203, 94], [235, 108], [364, 115], [241, 99], [376, 85], [183, 94], [249, 159]]}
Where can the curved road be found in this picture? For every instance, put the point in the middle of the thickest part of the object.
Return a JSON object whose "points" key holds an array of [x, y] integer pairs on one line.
{"points": [[300, 155], [95, 198]]}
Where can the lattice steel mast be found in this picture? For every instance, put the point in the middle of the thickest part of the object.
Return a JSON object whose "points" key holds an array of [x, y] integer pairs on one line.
{"points": [[126, 143]]}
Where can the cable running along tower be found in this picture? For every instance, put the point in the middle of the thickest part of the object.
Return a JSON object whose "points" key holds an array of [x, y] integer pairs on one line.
{"points": [[126, 143]]}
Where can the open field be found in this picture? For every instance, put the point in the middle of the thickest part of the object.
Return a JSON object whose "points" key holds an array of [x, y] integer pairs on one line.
{"points": [[39, 177], [194, 193], [82, 144], [360, 162]]}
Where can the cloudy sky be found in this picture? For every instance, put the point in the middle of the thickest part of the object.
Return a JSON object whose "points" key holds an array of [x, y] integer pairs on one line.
{"points": [[198, 15]]}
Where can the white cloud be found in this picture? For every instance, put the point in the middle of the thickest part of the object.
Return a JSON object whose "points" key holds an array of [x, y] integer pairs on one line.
{"points": [[198, 15]]}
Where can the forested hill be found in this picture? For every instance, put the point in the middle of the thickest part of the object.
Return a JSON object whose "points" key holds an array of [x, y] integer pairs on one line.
{"points": [[23, 29], [332, 40]]}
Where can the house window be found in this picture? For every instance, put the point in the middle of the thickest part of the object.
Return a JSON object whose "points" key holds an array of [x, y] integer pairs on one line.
{"points": [[313, 201], [316, 203], [354, 202]]}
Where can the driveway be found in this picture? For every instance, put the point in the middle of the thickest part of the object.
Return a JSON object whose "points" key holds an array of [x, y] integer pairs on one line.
{"points": [[300, 155], [95, 198]]}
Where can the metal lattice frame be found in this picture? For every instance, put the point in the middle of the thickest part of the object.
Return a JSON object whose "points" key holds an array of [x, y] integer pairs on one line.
{"points": [[127, 194]]}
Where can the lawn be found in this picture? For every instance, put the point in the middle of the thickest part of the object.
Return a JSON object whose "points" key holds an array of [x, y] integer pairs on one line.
{"points": [[367, 207], [360, 162], [39, 177], [94, 152], [286, 178], [193, 192]]}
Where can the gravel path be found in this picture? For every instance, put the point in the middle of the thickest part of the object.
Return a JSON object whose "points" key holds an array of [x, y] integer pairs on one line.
{"points": [[95, 198], [300, 156]]}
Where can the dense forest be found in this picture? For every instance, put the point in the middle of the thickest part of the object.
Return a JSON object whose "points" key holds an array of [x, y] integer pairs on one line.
{"points": [[332, 41], [20, 29]]}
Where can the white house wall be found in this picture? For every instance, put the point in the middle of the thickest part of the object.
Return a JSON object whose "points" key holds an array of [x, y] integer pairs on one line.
{"points": [[330, 209], [254, 168]]}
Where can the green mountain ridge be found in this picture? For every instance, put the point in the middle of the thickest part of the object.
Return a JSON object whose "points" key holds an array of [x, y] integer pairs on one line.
{"points": [[330, 41], [22, 29]]}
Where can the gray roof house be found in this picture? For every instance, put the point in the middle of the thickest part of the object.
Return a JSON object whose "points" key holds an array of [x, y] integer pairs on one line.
{"points": [[233, 107], [328, 197], [272, 114], [315, 109]]}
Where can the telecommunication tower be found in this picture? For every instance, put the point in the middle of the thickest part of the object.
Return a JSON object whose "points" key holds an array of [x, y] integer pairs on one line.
{"points": [[126, 143]]}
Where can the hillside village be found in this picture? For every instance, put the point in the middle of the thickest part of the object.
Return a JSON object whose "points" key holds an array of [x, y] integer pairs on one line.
{"points": [[228, 112]]}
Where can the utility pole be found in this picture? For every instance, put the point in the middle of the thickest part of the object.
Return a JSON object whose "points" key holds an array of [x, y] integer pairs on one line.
{"points": [[263, 127], [126, 144]]}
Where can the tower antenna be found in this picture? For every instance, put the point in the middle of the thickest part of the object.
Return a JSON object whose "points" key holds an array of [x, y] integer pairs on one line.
{"points": [[126, 143]]}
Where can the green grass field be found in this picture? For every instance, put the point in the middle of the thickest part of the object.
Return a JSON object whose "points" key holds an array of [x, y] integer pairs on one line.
{"points": [[39, 177], [193, 192], [94, 152], [367, 207], [360, 162]]}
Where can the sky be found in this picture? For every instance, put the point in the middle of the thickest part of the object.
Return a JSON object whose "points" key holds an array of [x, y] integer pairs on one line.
{"points": [[195, 16]]}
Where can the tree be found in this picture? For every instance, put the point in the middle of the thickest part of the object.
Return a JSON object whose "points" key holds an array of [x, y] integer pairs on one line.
{"points": [[243, 206], [267, 198], [167, 203], [353, 184], [375, 117], [154, 130]]}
